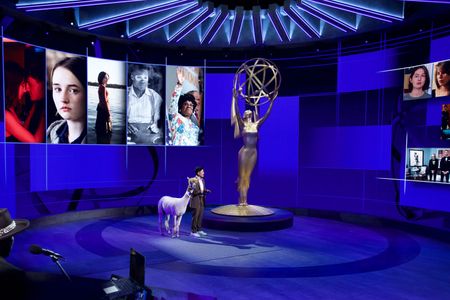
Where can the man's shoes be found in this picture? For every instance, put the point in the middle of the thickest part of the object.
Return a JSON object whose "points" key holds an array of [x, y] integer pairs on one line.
{"points": [[195, 234], [202, 233]]}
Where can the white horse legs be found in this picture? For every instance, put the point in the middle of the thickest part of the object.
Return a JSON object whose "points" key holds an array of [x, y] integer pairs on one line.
{"points": [[175, 228], [166, 223]]}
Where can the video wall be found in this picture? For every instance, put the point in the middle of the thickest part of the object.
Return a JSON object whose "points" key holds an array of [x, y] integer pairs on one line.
{"points": [[56, 97], [427, 81], [428, 154]]}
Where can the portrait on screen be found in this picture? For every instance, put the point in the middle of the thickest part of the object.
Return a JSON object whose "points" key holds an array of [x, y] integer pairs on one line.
{"points": [[67, 94], [145, 108], [106, 101], [428, 164], [24, 82], [415, 168], [441, 79], [417, 82], [415, 158], [185, 106]]}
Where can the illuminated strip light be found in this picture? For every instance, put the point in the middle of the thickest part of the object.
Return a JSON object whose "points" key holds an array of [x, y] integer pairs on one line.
{"points": [[215, 26], [237, 25], [205, 13], [359, 10], [49, 5], [257, 27], [166, 21], [134, 14], [277, 24], [325, 17], [300, 21]]}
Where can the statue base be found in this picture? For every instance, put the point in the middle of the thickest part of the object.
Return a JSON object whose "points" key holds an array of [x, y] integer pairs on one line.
{"points": [[242, 210]]}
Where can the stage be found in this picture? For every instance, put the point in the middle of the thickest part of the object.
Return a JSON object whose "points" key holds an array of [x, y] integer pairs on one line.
{"points": [[316, 258]]}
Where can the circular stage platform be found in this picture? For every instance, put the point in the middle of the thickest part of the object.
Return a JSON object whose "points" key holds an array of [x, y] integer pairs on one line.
{"points": [[280, 219]]}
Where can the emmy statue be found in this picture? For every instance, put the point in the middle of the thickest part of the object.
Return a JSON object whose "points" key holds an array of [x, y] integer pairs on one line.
{"points": [[256, 82]]}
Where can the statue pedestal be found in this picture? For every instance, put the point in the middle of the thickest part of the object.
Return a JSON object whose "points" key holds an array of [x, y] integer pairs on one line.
{"points": [[245, 218], [242, 210]]}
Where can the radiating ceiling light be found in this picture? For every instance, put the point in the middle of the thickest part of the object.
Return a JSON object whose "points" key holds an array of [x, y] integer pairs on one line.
{"points": [[134, 14], [166, 21], [277, 23], [359, 10], [203, 15], [215, 25], [257, 27], [309, 30], [49, 5], [333, 21], [237, 25]]}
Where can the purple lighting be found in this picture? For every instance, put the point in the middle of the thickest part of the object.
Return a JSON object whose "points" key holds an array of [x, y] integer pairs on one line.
{"points": [[257, 28], [205, 13], [49, 5], [134, 14], [166, 21], [277, 23], [216, 24], [358, 10], [237, 25], [333, 21], [300, 21], [429, 1]]}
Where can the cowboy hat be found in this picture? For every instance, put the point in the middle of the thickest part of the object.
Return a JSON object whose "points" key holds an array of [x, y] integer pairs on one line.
{"points": [[8, 226]]}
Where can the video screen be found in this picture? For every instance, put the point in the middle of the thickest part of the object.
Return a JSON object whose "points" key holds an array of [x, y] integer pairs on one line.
{"points": [[57, 97], [427, 81], [417, 82], [67, 98], [185, 106], [24, 81], [441, 79], [106, 101], [428, 164], [145, 110], [445, 121]]}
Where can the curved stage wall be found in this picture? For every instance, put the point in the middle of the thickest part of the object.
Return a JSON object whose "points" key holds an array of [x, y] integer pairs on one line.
{"points": [[335, 134]]}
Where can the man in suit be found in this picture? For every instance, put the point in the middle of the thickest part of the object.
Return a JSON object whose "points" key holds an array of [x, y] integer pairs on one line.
{"points": [[197, 203], [433, 167], [445, 166]]}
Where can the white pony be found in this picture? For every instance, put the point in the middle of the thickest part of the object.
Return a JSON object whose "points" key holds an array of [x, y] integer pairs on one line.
{"points": [[175, 207]]}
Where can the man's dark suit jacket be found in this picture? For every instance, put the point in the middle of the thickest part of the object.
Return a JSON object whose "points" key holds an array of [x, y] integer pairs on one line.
{"points": [[198, 198]]}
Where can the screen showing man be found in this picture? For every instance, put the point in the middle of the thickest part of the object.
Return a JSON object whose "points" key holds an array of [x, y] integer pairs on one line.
{"points": [[145, 124]]}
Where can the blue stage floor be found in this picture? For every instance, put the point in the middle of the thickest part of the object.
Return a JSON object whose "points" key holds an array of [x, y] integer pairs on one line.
{"points": [[316, 258]]}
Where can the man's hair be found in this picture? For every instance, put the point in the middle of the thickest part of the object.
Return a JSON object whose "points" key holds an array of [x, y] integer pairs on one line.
{"points": [[198, 169], [139, 67]]}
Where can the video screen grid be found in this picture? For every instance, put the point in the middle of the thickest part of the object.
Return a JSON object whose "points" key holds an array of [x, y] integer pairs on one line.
{"points": [[429, 82], [56, 97]]}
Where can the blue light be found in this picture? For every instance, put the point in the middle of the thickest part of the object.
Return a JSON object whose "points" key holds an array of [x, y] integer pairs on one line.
{"points": [[188, 27]]}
